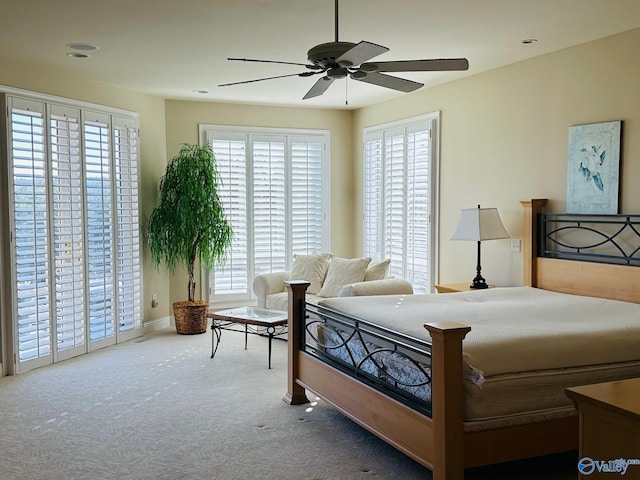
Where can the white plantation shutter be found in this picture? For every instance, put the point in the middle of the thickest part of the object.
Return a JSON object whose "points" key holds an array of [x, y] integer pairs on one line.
{"points": [[68, 230], [418, 207], [100, 255], [230, 155], [372, 188], [129, 269], [269, 204], [74, 230], [31, 261], [306, 196], [394, 193], [399, 198], [273, 190]]}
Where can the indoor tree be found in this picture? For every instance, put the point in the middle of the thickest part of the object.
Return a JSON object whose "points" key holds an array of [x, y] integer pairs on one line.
{"points": [[189, 222]]}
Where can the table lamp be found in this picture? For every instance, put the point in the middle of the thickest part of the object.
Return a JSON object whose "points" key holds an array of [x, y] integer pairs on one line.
{"points": [[478, 224]]}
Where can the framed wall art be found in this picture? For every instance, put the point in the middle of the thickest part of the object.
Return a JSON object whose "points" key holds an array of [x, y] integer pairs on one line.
{"points": [[593, 168]]}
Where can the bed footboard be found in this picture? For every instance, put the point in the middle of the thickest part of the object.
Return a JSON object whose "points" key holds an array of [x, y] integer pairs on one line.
{"points": [[433, 438]]}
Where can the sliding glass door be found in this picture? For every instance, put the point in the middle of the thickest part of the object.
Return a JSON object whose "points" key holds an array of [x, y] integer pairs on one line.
{"points": [[75, 253]]}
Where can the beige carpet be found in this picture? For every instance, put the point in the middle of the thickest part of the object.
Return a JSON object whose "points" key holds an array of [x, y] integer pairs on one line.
{"points": [[160, 408]]}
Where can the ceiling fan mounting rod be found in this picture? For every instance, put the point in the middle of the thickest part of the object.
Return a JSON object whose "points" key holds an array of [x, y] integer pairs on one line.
{"points": [[336, 9]]}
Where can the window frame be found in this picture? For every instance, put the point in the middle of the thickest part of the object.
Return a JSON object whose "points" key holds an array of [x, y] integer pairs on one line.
{"points": [[205, 134], [432, 122]]}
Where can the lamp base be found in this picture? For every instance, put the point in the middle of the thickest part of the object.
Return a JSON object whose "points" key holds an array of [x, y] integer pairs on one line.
{"points": [[479, 283]]}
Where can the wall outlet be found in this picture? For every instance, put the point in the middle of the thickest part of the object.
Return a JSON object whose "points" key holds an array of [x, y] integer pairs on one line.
{"points": [[154, 300], [516, 245]]}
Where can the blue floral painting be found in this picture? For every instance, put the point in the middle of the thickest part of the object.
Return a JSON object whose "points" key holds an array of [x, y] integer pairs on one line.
{"points": [[593, 168]]}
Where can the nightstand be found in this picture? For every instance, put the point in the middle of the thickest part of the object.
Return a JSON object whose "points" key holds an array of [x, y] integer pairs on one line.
{"points": [[455, 287], [609, 425]]}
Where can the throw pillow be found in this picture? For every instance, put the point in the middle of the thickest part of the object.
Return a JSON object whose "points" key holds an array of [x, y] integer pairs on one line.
{"points": [[342, 272], [377, 270], [311, 268]]}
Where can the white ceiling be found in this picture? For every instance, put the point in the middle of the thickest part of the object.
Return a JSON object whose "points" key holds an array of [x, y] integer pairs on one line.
{"points": [[172, 47]]}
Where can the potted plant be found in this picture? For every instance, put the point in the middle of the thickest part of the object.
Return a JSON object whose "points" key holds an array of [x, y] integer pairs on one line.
{"points": [[189, 224]]}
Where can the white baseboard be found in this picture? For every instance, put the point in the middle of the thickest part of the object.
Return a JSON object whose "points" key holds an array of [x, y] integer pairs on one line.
{"points": [[159, 324]]}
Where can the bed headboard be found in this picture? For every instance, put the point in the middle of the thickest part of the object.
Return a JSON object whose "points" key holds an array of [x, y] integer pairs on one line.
{"points": [[581, 275]]}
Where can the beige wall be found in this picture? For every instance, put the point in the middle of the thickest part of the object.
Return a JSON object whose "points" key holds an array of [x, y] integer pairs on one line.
{"points": [[504, 138], [152, 142], [183, 119]]}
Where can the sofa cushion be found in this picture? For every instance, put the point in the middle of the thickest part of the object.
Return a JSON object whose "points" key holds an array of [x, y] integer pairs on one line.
{"points": [[377, 270], [280, 301], [311, 268], [341, 272], [386, 286]]}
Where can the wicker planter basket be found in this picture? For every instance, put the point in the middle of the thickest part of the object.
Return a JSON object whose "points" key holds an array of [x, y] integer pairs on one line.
{"points": [[191, 317]]}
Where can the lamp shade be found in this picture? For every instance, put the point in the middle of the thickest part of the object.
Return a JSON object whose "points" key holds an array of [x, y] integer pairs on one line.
{"points": [[478, 224]]}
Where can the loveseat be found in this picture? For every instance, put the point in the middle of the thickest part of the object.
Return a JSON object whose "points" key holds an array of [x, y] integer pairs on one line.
{"points": [[329, 276]]}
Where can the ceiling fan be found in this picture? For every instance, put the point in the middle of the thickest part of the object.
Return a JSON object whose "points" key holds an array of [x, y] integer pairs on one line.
{"points": [[337, 60]]}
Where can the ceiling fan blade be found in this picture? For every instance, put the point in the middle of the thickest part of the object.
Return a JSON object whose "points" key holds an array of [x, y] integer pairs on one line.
{"points": [[308, 65], [433, 65], [362, 52], [303, 74], [388, 81], [319, 87]]}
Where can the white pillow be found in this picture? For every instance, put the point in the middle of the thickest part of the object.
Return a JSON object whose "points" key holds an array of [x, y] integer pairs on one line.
{"points": [[377, 270], [342, 272], [311, 268]]}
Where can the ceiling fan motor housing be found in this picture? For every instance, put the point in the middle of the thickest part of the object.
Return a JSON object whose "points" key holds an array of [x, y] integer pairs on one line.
{"points": [[337, 73], [326, 54]]}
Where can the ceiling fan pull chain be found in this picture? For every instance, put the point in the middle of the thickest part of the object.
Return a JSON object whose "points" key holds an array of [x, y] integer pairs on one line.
{"points": [[346, 91]]}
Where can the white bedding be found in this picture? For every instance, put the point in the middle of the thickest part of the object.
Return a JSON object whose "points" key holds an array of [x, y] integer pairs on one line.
{"points": [[525, 345], [516, 329]]}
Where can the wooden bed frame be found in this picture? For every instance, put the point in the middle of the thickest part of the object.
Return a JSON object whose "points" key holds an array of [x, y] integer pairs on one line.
{"points": [[439, 442]]}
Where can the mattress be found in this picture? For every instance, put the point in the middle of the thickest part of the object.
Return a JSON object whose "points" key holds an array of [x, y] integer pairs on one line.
{"points": [[525, 346]]}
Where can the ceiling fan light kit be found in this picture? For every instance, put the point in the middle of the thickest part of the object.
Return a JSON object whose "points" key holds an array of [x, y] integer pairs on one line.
{"points": [[337, 60]]}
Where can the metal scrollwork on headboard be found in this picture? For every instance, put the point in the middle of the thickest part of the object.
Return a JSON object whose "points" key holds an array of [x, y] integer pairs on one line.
{"points": [[613, 239]]}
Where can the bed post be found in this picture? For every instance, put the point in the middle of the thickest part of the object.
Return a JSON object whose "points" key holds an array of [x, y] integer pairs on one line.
{"points": [[447, 399], [295, 326], [532, 209]]}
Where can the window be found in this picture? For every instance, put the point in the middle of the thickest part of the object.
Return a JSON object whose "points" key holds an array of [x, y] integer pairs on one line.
{"points": [[74, 230], [274, 185], [399, 194]]}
